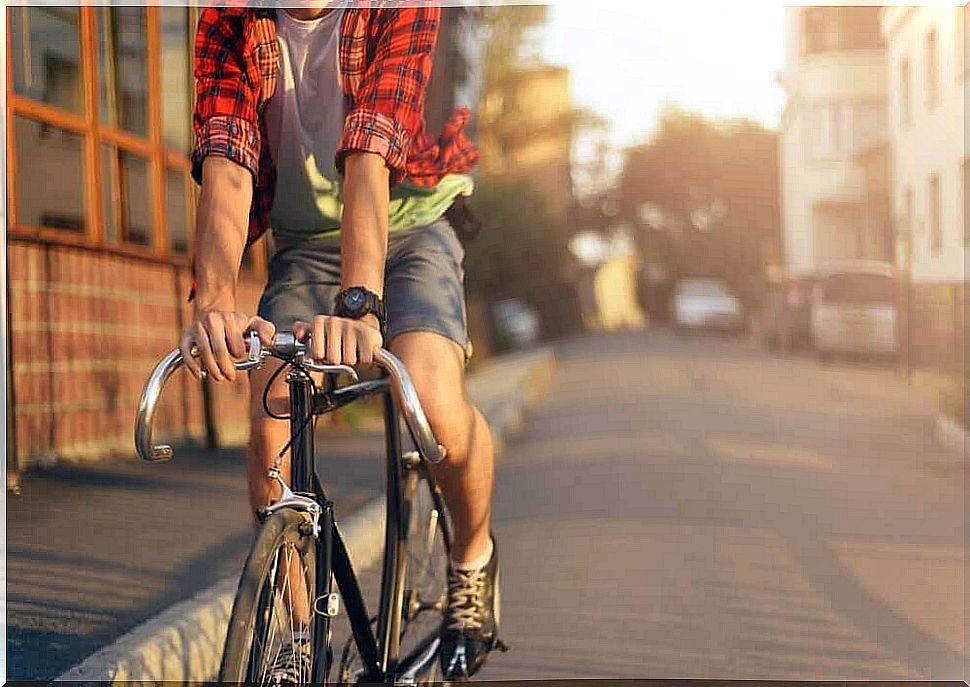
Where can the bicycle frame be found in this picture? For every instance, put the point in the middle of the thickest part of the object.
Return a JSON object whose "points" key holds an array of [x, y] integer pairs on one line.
{"points": [[378, 650]]}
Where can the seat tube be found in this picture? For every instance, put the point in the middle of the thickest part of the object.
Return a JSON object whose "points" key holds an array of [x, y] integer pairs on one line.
{"points": [[301, 429]]}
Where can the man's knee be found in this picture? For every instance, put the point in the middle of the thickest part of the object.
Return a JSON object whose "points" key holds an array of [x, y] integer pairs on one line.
{"points": [[436, 367]]}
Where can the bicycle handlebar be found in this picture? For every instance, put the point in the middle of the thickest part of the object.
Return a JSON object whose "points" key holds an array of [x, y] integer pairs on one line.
{"points": [[285, 347]]}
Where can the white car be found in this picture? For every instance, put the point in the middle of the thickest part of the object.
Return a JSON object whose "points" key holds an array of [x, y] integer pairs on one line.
{"points": [[706, 304], [854, 309]]}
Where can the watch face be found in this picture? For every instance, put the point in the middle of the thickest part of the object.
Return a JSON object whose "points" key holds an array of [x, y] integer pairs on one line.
{"points": [[354, 300]]}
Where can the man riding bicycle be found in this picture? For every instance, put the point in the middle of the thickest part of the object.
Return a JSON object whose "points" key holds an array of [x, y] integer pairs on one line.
{"points": [[310, 122]]}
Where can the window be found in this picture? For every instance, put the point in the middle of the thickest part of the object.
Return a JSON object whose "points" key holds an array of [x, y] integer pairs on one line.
{"points": [[856, 288], [935, 219], [50, 176], [824, 135], [176, 212], [176, 78], [932, 60], [134, 183], [110, 167], [46, 47], [841, 28], [123, 62], [905, 102], [109, 189], [868, 124]]}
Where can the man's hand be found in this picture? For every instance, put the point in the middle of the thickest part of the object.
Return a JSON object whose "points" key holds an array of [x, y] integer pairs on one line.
{"points": [[341, 341], [218, 337]]}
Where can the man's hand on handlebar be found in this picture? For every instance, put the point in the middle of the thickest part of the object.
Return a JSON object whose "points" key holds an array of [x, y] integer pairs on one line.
{"points": [[341, 341], [218, 337]]}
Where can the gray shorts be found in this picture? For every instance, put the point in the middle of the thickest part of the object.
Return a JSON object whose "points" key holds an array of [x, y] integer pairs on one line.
{"points": [[424, 286]]}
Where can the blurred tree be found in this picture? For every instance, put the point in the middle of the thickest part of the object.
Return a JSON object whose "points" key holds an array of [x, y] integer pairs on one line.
{"points": [[511, 257], [507, 30], [524, 191], [704, 195], [517, 254]]}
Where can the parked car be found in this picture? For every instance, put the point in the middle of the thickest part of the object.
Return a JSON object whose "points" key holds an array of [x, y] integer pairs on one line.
{"points": [[786, 313], [516, 323], [706, 304], [855, 309]]}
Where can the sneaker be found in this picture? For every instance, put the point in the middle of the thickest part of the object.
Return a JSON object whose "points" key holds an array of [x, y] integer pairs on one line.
{"points": [[292, 665], [470, 630]]}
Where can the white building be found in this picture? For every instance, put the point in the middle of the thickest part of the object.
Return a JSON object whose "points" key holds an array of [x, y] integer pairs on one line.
{"points": [[927, 99], [836, 80]]}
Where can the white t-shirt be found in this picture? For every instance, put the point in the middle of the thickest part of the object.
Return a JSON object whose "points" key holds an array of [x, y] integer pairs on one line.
{"points": [[304, 123]]}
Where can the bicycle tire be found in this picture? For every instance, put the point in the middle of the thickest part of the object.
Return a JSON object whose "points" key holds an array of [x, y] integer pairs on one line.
{"points": [[255, 604], [425, 551]]}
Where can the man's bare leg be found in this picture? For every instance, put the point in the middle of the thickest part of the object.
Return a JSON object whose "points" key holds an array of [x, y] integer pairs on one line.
{"points": [[466, 476]]}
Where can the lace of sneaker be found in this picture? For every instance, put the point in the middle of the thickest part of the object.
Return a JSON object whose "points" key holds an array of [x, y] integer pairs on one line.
{"points": [[466, 599], [292, 664]]}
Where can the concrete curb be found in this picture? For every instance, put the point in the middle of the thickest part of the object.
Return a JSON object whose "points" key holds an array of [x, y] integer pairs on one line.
{"points": [[950, 434], [184, 643]]}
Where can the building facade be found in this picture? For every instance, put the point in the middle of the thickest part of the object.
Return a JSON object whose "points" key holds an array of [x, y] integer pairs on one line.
{"points": [[529, 132], [927, 81], [100, 225], [834, 118]]}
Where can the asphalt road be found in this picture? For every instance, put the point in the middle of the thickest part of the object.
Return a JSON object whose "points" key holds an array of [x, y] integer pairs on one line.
{"points": [[695, 508]]}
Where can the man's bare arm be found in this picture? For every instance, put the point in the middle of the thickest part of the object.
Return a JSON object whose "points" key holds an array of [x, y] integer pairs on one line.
{"points": [[363, 236], [363, 255], [221, 224], [220, 236]]}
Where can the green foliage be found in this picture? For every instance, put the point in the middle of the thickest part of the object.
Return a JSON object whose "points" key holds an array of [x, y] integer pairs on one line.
{"points": [[715, 183], [516, 254], [507, 28]]}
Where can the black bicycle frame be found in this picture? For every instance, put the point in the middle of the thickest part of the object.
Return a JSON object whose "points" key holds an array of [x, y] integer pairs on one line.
{"points": [[378, 652]]}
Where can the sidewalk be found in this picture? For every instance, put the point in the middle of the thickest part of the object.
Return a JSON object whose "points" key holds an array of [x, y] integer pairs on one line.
{"points": [[95, 550]]}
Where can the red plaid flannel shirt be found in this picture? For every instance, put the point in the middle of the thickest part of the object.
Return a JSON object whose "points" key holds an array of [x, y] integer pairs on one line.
{"points": [[385, 64]]}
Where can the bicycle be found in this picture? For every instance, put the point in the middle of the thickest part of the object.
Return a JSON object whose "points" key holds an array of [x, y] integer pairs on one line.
{"points": [[299, 554]]}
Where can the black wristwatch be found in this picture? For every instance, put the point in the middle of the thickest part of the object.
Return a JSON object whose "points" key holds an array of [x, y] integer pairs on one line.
{"points": [[356, 302]]}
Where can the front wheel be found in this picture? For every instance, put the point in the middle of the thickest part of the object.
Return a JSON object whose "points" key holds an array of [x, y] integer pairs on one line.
{"points": [[425, 553], [270, 639]]}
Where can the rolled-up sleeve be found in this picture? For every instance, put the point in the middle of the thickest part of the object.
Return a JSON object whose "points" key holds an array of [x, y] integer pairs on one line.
{"points": [[388, 108], [225, 120]]}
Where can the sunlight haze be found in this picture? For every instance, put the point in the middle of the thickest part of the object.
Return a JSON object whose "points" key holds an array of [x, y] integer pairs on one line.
{"points": [[628, 58]]}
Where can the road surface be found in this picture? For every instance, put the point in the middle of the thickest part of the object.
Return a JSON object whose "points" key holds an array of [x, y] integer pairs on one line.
{"points": [[696, 508]]}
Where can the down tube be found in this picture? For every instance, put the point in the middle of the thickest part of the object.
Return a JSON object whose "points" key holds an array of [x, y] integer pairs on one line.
{"points": [[389, 622]]}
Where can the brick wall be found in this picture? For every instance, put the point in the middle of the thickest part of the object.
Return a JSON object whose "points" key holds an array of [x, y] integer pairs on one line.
{"points": [[86, 330]]}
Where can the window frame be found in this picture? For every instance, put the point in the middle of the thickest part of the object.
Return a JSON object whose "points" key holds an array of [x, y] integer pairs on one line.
{"points": [[97, 135]]}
